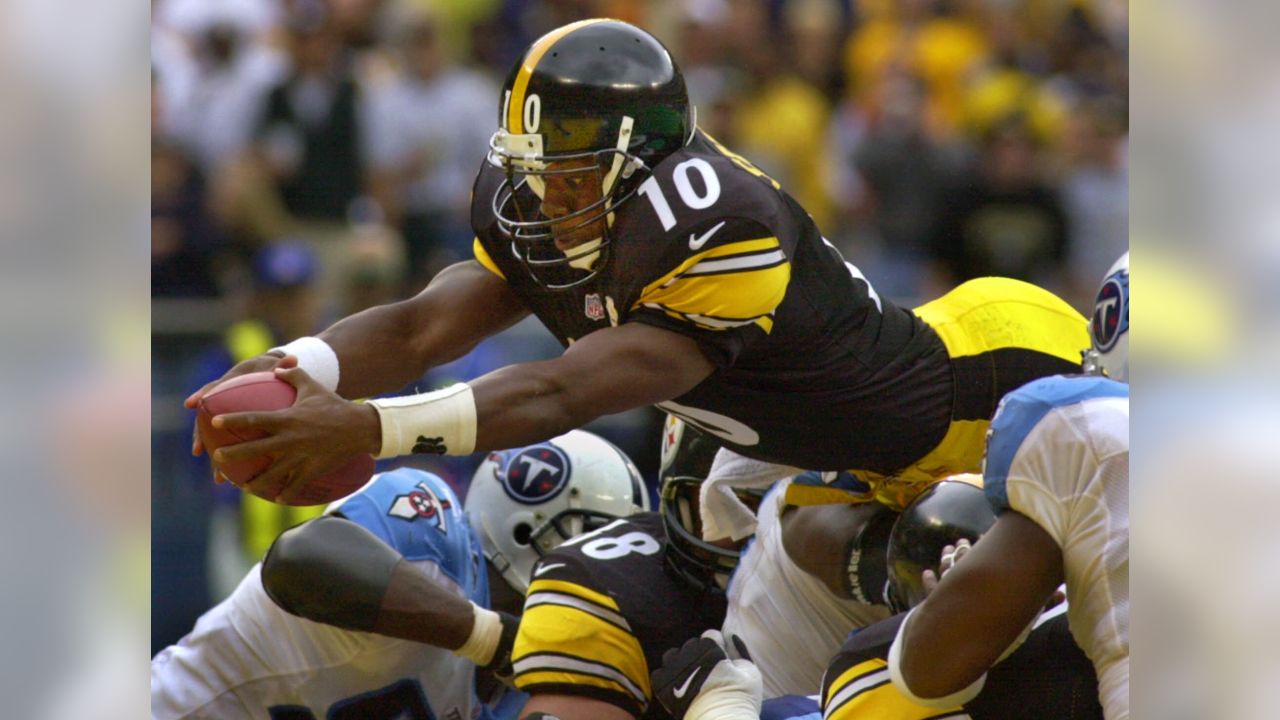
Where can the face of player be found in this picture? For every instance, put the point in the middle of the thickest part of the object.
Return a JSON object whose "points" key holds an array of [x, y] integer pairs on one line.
{"points": [[568, 193]]}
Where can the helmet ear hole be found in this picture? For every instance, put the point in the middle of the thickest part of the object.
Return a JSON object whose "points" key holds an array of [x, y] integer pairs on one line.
{"points": [[522, 532]]}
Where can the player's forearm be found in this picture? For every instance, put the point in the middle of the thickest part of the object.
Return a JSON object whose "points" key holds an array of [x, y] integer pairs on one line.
{"points": [[382, 349], [526, 403], [377, 350], [934, 662], [963, 627], [333, 571], [606, 372], [416, 608]]}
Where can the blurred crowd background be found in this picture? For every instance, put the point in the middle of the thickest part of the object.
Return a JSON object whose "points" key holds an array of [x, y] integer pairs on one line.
{"points": [[310, 158]]}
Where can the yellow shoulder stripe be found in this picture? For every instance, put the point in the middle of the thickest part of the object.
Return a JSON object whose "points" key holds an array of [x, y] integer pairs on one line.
{"points": [[738, 296], [482, 257], [570, 588], [558, 677], [745, 246], [845, 677], [558, 643], [728, 286], [864, 692]]}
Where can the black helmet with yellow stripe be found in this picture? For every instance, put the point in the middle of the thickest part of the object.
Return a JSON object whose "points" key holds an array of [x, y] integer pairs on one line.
{"points": [[596, 99]]}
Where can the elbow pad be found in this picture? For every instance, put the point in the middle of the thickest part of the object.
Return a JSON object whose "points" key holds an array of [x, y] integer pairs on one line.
{"points": [[329, 570]]}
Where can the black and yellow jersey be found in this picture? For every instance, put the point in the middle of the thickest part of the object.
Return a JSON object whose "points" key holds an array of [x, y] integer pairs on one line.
{"points": [[814, 369], [1048, 678], [600, 612]]}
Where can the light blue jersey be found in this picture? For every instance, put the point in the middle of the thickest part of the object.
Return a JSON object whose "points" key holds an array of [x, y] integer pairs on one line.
{"points": [[418, 515], [247, 658], [1058, 453], [1022, 410]]}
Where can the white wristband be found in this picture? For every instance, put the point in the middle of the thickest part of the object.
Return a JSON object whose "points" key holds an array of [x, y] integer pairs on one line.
{"points": [[484, 638], [441, 422], [316, 357]]}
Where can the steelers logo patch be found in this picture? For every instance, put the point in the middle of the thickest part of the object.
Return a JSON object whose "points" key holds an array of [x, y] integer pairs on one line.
{"points": [[1111, 311], [536, 474]]}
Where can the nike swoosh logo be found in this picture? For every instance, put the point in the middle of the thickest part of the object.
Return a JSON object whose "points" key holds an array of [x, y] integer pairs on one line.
{"points": [[543, 568], [697, 241], [684, 686]]}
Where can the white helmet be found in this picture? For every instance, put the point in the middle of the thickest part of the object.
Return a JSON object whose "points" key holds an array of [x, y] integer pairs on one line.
{"points": [[1109, 329], [525, 501]]}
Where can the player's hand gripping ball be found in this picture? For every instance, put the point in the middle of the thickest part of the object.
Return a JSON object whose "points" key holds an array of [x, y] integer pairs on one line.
{"points": [[262, 391]]}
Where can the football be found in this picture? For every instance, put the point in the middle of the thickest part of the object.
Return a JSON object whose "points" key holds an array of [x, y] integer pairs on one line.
{"points": [[264, 391]]}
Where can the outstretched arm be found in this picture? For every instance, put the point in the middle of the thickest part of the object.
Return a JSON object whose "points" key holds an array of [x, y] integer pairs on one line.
{"points": [[382, 349], [607, 371]]}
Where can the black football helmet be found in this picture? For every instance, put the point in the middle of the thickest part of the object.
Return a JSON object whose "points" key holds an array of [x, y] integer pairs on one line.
{"points": [[943, 514], [687, 455], [597, 90]]}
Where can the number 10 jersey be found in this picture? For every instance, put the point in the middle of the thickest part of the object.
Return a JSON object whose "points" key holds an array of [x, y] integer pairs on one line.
{"points": [[813, 368]]}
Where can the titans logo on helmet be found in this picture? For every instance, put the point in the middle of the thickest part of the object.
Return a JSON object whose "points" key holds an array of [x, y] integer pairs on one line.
{"points": [[1111, 311], [535, 474], [421, 502]]}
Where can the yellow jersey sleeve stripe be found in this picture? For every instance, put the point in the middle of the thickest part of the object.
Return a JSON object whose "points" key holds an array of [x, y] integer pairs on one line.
{"points": [[713, 323], [865, 692], [860, 670], [567, 640], [571, 588], [515, 105], [554, 598], [482, 257], [743, 247], [740, 295], [554, 668]]}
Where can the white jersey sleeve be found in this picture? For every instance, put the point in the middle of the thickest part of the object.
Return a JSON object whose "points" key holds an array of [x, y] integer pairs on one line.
{"points": [[769, 591], [1058, 453]]}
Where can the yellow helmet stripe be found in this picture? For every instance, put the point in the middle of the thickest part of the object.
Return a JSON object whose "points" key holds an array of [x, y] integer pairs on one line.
{"points": [[515, 106]]}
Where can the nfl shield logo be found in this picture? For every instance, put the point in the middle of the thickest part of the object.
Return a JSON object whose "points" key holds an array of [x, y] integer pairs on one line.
{"points": [[594, 308]]}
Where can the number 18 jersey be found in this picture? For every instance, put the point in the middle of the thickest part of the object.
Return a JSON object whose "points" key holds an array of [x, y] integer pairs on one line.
{"points": [[601, 610]]}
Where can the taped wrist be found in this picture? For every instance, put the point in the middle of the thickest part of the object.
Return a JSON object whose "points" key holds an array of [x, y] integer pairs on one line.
{"points": [[436, 423], [491, 639], [316, 357], [329, 570], [866, 567], [500, 663]]}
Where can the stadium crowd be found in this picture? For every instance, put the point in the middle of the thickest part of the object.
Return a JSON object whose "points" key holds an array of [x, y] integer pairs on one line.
{"points": [[311, 159]]}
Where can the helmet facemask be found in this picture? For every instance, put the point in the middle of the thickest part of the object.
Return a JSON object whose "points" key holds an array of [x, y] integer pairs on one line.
{"points": [[566, 525], [531, 161], [703, 565]]}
